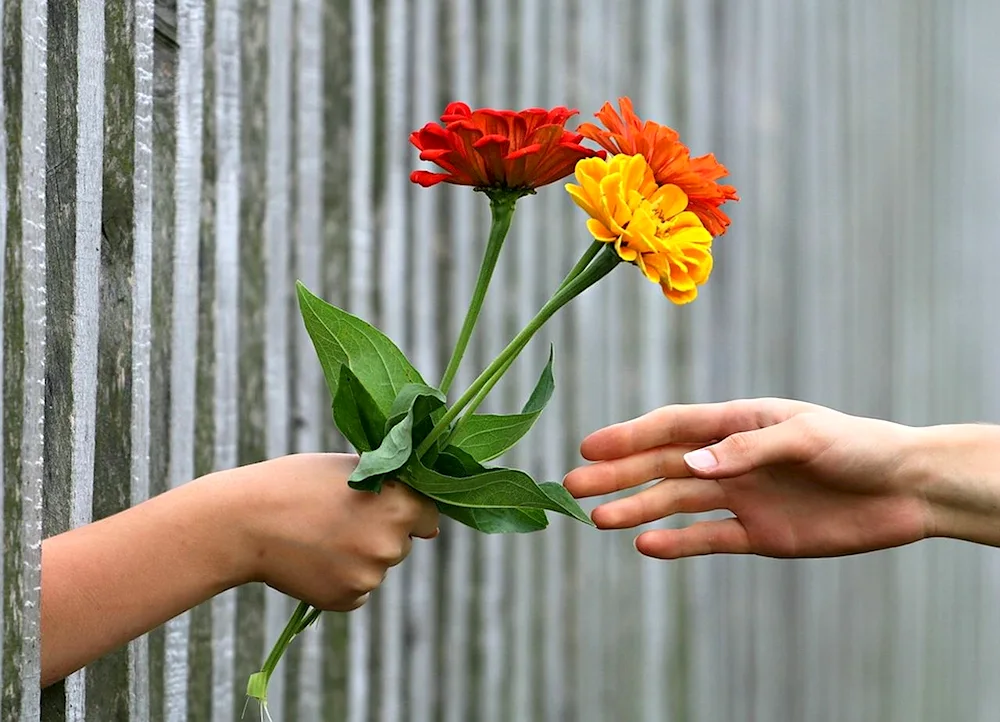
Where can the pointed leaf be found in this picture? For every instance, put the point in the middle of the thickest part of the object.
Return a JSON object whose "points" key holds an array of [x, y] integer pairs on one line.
{"points": [[356, 414], [388, 458], [414, 405], [496, 489], [497, 521], [568, 505], [487, 436], [343, 339]]}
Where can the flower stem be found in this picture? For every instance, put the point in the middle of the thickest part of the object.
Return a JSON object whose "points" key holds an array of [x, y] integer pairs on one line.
{"points": [[584, 261], [502, 211], [257, 686], [588, 277]]}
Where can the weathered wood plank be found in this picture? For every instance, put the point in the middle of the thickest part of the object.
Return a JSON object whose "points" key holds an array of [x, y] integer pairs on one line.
{"points": [[200, 650], [25, 80], [338, 69], [6, 79], [250, 635], [184, 324], [277, 289], [422, 607], [142, 317], [164, 174], [361, 299], [311, 409], [107, 679], [393, 302], [60, 250], [226, 228]]}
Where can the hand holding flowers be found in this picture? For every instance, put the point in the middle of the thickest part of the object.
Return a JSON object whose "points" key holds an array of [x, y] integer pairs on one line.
{"points": [[650, 205]]}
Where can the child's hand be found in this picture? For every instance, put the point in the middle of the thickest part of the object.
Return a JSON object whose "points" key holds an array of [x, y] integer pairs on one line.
{"points": [[309, 535]]}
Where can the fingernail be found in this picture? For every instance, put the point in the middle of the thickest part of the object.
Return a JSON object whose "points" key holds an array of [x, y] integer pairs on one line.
{"points": [[702, 459]]}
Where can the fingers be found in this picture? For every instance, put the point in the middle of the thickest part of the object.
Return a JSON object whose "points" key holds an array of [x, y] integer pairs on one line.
{"points": [[672, 496], [707, 537], [425, 519], [606, 477], [694, 423], [785, 443]]}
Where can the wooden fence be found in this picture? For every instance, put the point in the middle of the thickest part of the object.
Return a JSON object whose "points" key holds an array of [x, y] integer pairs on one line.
{"points": [[170, 168]]}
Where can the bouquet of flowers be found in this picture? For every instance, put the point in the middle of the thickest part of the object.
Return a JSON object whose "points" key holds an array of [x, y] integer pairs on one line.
{"points": [[650, 205]]}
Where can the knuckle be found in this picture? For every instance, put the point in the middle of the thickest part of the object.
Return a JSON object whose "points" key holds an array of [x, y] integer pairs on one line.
{"points": [[812, 435], [391, 552], [740, 445]]}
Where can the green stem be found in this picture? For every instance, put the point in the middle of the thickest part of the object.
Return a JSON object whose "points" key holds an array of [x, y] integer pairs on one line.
{"points": [[593, 273], [309, 619], [502, 211], [584, 261], [284, 639]]}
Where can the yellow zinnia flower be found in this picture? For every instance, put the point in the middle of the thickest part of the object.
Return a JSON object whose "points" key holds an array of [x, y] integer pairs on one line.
{"points": [[646, 222]]}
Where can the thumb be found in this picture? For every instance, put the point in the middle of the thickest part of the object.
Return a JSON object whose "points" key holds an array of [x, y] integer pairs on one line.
{"points": [[746, 451]]}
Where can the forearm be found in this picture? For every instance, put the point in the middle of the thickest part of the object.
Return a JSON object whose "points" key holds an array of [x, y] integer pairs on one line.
{"points": [[109, 582], [958, 470]]}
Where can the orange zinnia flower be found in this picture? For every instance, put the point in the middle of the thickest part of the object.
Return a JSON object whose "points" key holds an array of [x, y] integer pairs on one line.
{"points": [[499, 149], [669, 159]]}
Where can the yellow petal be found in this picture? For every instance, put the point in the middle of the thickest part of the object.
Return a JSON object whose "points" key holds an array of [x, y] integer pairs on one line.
{"points": [[670, 201], [600, 232]]}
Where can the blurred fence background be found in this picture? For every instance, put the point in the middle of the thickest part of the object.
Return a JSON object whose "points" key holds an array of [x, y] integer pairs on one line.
{"points": [[170, 168]]}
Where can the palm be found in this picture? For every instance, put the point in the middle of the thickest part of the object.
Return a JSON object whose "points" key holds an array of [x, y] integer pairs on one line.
{"points": [[797, 511]]}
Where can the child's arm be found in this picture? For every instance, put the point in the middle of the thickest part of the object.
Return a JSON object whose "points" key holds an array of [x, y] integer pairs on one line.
{"points": [[291, 522]]}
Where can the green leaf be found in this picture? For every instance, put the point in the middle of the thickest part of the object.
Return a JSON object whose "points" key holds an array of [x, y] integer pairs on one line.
{"points": [[425, 401], [487, 436], [356, 414], [493, 489], [388, 458], [341, 339], [569, 506], [453, 461], [497, 521], [414, 405]]}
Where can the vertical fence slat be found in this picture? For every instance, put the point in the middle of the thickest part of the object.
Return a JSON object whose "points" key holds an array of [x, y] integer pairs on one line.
{"points": [[310, 405], [558, 224], [658, 633], [423, 604], [337, 235], [464, 237], [392, 287], [107, 691], [277, 290], [139, 697], [523, 241], [494, 622], [5, 190], [34, 25], [360, 296], [61, 244], [227, 249], [252, 638], [184, 338], [277, 198], [589, 330]]}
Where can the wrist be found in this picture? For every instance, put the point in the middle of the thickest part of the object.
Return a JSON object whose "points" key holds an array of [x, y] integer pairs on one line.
{"points": [[956, 470], [236, 507]]}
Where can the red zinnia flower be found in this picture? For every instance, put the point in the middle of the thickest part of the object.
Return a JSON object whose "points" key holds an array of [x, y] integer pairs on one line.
{"points": [[499, 149], [669, 159]]}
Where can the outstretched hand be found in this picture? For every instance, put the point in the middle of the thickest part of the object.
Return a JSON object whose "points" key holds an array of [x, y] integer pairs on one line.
{"points": [[801, 480]]}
